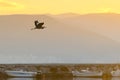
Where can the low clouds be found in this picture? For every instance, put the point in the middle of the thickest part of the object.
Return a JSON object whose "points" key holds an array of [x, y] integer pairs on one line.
{"points": [[10, 7], [7, 4], [4, 4]]}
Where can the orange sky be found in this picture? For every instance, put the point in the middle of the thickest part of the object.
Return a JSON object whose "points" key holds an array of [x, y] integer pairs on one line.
{"points": [[59, 6]]}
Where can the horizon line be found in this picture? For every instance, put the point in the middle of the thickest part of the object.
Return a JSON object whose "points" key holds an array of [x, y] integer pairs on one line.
{"points": [[60, 14]]}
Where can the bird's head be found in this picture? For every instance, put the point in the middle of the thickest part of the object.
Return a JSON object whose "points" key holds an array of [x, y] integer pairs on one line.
{"points": [[36, 21]]}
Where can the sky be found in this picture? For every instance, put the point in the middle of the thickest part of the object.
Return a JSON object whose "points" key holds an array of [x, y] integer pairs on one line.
{"points": [[58, 6]]}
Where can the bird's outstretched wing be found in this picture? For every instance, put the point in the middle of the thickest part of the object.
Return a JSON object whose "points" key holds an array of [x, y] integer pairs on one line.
{"points": [[41, 23]]}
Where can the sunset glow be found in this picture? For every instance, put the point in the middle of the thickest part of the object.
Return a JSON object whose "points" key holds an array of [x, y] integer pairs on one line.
{"points": [[59, 6], [9, 7]]}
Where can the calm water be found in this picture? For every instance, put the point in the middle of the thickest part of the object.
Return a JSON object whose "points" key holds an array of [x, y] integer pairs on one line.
{"points": [[61, 79]]}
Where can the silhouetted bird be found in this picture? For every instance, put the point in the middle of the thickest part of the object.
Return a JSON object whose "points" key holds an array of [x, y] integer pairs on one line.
{"points": [[38, 25]]}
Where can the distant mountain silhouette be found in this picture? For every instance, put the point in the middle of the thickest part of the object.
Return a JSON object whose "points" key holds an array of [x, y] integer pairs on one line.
{"points": [[102, 23], [66, 39]]}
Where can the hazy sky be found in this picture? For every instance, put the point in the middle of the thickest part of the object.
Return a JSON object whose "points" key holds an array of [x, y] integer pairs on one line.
{"points": [[58, 6], [60, 41]]}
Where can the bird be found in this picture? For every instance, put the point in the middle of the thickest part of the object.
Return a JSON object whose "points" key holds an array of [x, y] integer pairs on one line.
{"points": [[38, 25]]}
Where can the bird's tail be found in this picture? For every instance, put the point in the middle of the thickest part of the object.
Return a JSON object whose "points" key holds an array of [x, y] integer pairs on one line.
{"points": [[44, 26]]}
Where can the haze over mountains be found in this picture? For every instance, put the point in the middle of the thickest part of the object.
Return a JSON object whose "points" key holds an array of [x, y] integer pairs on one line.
{"points": [[67, 39], [107, 24]]}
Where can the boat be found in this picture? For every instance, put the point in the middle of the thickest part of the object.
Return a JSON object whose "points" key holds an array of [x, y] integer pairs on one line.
{"points": [[20, 73], [115, 73], [87, 73]]}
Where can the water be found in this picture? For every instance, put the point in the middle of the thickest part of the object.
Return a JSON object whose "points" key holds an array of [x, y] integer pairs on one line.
{"points": [[21, 79], [62, 78]]}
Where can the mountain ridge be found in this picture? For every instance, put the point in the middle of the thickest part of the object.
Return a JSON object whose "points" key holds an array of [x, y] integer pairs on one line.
{"points": [[59, 39]]}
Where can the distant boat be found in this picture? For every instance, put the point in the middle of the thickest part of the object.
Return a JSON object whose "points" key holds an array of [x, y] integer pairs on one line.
{"points": [[86, 73], [21, 73], [116, 73]]}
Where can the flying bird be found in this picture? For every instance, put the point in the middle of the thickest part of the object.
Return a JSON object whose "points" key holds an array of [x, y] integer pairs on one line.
{"points": [[38, 25]]}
